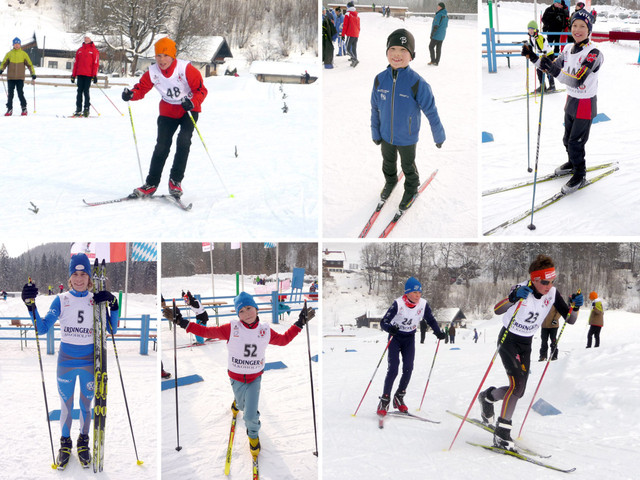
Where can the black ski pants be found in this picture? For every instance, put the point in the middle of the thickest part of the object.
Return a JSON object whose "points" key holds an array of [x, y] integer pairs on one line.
{"points": [[404, 344], [16, 85], [84, 85], [407, 162], [594, 332], [435, 48], [166, 129], [548, 335], [576, 135]]}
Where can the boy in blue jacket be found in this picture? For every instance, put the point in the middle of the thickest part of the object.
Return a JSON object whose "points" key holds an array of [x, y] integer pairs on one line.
{"points": [[398, 96]]}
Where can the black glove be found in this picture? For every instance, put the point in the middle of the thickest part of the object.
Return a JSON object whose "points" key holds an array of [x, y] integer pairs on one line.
{"points": [[393, 329], [178, 320], [73, 79], [127, 95], [439, 145], [33, 77], [95, 80], [441, 335], [377, 142], [1, 71], [29, 294], [187, 104], [549, 66], [105, 296], [305, 315], [530, 54]]}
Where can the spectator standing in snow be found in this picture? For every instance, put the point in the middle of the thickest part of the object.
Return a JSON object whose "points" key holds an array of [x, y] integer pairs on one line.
{"points": [[527, 305], [452, 333], [475, 336], [85, 69], [548, 333], [16, 60], [596, 320], [555, 19], [182, 90], [401, 322], [438, 32], [398, 97], [339, 22], [351, 30], [247, 341], [577, 66], [328, 32], [539, 45]]}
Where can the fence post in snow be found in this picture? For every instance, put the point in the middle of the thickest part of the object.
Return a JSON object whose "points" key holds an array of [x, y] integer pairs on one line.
{"points": [[144, 334]]}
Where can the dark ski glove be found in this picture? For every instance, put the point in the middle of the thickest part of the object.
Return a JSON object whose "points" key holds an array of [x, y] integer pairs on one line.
{"points": [[33, 77], [439, 145], [29, 294], [530, 54], [441, 335], [178, 320], [393, 329], [187, 104], [377, 142], [521, 292], [577, 300], [95, 80], [127, 95], [105, 296], [549, 66], [305, 315], [73, 79]]}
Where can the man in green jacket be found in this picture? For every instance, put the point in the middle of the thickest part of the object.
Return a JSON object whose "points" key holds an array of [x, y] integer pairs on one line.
{"points": [[16, 59]]}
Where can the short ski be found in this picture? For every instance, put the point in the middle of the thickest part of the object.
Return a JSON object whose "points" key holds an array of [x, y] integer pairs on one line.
{"points": [[490, 429], [232, 432], [544, 178], [256, 470], [521, 456], [522, 96], [411, 415], [546, 203], [400, 213], [170, 198], [376, 213]]}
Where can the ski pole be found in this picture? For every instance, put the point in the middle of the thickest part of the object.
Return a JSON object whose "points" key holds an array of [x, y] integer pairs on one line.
{"points": [[175, 369], [313, 403], [502, 339], [5, 87], [95, 110], [545, 368], [33, 82], [135, 140], [374, 374], [535, 175], [126, 404], [110, 101], [429, 377], [32, 314], [208, 155], [528, 128]]}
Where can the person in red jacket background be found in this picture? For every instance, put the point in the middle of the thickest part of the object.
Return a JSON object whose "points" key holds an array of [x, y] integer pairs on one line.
{"points": [[182, 89], [85, 69], [351, 30]]}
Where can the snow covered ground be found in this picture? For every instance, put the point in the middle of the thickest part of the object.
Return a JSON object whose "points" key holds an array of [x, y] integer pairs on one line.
{"points": [[286, 435], [57, 162], [26, 450], [597, 391], [351, 163], [608, 206]]}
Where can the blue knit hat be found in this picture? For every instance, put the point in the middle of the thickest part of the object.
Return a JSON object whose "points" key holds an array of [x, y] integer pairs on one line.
{"points": [[16, 40], [583, 15], [244, 300], [412, 285], [79, 263]]}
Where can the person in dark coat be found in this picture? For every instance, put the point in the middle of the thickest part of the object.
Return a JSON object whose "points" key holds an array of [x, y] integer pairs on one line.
{"points": [[328, 32], [555, 19], [438, 32]]}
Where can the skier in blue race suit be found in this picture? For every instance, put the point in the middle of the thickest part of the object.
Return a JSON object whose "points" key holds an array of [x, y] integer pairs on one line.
{"points": [[74, 311], [401, 321]]}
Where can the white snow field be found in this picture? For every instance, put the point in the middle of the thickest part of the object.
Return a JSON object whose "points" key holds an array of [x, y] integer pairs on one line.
{"points": [[25, 448], [596, 390], [287, 430], [352, 164], [609, 206]]}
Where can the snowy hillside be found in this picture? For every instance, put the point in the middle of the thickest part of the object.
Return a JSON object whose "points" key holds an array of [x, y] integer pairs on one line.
{"points": [[595, 389], [286, 435], [26, 450], [602, 208], [352, 165], [261, 180]]}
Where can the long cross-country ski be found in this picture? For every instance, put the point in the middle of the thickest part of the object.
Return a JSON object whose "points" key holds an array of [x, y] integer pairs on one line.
{"points": [[522, 96], [376, 213], [99, 368], [400, 213], [544, 178], [521, 456], [170, 198], [546, 203], [411, 415]]}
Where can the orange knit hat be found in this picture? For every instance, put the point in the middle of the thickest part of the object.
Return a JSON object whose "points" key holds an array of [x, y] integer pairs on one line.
{"points": [[593, 296], [167, 46]]}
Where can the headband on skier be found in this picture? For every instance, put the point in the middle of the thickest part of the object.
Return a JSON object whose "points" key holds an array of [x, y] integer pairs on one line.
{"points": [[544, 275]]}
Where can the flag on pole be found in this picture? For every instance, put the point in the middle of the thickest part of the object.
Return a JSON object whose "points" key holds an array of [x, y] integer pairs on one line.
{"points": [[235, 245], [207, 246], [144, 252], [269, 245], [109, 252]]}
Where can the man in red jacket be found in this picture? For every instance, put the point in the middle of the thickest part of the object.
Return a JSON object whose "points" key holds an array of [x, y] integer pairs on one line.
{"points": [[85, 68], [182, 89], [351, 30]]}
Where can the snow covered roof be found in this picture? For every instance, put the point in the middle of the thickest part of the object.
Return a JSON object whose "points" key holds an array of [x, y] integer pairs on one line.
{"points": [[448, 315], [207, 48], [335, 257]]}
